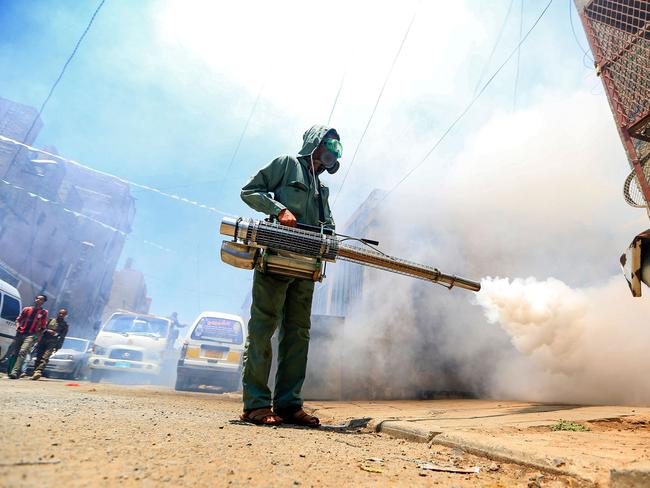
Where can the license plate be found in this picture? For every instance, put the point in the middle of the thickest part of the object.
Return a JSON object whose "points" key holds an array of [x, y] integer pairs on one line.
{"points": [[122, 364], [213, 354]]}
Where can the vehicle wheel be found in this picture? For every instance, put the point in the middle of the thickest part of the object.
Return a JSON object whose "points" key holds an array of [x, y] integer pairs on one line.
{"points": [[95, 376], [182, 384]]}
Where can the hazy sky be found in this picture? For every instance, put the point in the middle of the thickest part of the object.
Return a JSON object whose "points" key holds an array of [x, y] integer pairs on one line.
{"points": [[160, 91]]}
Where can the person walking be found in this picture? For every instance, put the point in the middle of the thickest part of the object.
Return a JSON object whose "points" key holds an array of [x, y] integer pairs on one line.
{"points": [[29, 325], [290, 190], [51, 341]]}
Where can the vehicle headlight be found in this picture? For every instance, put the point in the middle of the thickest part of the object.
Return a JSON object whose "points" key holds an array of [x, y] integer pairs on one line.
{"points": [[99, 350]]}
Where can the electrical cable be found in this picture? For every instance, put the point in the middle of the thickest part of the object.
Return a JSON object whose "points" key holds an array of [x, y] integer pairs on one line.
{"points": [[58, 79], [494, 47], [381, 92], [575, 35], [243, 134], [468, 106], [123, 180], [521, 26]]}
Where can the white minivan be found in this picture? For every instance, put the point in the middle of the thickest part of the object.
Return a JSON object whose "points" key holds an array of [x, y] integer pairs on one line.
{"points": [[212, 352], [10, 307], [132, 344]]}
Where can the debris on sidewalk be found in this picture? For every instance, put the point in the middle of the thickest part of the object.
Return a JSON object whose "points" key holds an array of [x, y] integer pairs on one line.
{"points": [[371, 469], [375, 460], [435, 467], [352, 424], [30, 463]]}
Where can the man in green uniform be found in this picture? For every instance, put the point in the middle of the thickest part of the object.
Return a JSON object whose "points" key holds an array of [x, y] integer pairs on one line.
{"points": [[50, 342], [290, 190]]}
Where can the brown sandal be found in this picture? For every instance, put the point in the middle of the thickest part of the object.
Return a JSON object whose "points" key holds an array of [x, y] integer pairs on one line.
{"points": [[298, 417], [261, 416]]}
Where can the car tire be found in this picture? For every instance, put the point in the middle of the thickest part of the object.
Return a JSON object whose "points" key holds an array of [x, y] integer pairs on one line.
{"points": [[182, 384], [95, 376]]}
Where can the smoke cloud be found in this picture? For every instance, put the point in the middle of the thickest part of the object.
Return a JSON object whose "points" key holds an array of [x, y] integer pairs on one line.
{"points": [[584, 345], [532, 193]]}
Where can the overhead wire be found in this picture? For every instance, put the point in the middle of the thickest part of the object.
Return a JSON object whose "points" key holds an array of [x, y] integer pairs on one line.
{"points": [[123, 180], [58, 79], [575, 35], [521, 26], [494, 47], [243, 134], [469, 105], [381, 92]]}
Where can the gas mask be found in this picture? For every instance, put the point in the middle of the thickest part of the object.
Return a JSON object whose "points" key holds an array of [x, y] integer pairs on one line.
{"points": [[329, 157]]}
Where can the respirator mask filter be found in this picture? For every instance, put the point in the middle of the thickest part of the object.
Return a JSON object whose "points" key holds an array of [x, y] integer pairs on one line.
{"points": [[334, 150]]}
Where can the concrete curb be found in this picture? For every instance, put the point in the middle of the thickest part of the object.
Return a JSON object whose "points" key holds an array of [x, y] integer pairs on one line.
{"points": [[488, 449]]}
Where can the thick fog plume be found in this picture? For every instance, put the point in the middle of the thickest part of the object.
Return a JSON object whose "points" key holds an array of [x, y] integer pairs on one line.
{"points": [[586, 345], [532, 193]]}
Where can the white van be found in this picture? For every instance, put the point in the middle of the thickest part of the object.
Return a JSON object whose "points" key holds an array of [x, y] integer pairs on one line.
{"points": [[10, 307], [212, 352], [132, 343]]}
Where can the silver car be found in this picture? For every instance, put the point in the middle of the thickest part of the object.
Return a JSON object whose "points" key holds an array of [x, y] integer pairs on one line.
{"points": [[70, 361]]}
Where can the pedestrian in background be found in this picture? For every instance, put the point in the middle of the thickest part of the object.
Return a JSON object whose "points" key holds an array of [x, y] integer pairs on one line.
{"points": [[29, 325], [50, 342]]}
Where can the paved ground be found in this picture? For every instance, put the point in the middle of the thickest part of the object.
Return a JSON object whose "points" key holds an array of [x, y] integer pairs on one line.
{"points": [[56, 433], [618, 437]]}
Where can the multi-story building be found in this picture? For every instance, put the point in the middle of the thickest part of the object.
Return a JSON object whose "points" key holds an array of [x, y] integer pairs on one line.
{"points": [[62, 226], [129, 292]]}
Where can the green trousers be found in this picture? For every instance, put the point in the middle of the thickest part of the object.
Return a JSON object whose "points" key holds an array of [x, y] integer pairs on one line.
{"points": [[278, 301], [44, 350], [23, 343]]}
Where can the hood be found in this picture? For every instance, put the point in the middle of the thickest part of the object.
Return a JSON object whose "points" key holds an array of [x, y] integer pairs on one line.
{"points": [[312, 138], [133, 341]]}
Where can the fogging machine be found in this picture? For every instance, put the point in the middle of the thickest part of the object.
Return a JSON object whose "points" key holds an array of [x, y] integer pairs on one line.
{"points": [[303, 252]]}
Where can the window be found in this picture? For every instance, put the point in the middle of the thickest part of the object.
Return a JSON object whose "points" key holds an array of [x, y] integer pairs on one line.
{"points": [[10, 308], [144, 326], [218, 330], [75, 344]]}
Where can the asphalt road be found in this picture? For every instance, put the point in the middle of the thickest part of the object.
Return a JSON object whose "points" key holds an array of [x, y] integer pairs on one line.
{"points": [[59, 433]]}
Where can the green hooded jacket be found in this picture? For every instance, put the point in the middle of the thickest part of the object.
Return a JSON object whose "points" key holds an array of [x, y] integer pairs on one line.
{"points": [[288, 182]]}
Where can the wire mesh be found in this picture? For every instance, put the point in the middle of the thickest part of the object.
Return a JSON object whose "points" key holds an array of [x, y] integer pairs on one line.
{"points": [[621, 30], [619, 35]]}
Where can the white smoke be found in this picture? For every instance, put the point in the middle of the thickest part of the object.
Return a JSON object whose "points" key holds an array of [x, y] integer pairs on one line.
{"points": [[584, 345], [532, 193]]}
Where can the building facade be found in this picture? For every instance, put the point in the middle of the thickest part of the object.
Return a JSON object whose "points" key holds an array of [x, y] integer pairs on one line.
{"points": [[62, 226], [129, 292]]}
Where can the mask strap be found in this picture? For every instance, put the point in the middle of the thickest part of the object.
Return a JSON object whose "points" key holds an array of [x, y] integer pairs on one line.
{"points": [[313, 173]]}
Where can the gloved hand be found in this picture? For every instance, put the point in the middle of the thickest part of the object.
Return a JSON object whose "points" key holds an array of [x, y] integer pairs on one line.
{"points": [[287, 218]]}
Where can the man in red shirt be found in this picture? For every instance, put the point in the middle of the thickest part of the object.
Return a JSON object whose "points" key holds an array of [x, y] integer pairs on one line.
{"points": [[29, 326]]}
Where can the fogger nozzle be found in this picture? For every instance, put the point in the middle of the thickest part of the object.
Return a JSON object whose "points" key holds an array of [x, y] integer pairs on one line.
{"points": [[262, 234]]}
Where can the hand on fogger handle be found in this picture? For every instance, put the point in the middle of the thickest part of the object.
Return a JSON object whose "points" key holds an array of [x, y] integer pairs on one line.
{"points": [[287, 218]]}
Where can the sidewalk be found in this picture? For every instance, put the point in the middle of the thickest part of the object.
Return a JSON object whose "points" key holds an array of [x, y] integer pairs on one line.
{"points": [[615, 449]]}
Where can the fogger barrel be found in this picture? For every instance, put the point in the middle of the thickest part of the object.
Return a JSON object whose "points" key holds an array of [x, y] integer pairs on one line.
{"points": [[314, 247]]}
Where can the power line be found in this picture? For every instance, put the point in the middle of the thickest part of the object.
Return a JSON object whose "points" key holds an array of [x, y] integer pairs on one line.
{"points": [[470, 104], [243, 134], [521, 26], [58, 79], [494, 47], [575, 35], [336, 98], [381, 92], [122, 180]]}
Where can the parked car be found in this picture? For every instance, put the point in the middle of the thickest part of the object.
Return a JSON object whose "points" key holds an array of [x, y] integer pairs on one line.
{"points": [[212, 352], [10, 308], [71, 361], [135, 344]]}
